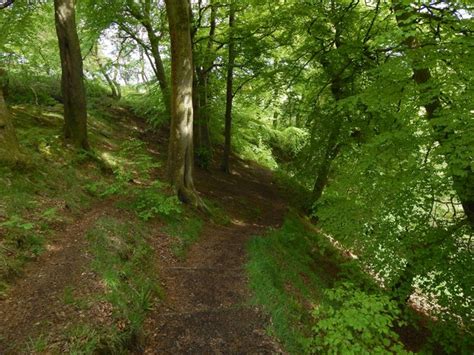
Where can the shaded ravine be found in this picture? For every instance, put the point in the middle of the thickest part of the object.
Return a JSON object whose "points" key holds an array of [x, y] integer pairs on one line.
{"points": [[208, 304]]}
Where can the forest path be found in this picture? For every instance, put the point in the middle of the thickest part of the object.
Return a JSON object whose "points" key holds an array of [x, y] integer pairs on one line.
{"points": [[36, 300], [207, 307]]}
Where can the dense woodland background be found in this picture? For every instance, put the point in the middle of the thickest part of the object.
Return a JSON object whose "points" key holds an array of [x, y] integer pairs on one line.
{"points": [[363, 110]]}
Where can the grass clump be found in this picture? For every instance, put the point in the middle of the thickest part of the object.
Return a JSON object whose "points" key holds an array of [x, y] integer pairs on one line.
{"points": [[218, 214], [186, 230], [37, 345], [22, 240], [131, 166], [152, 201], [123, 260]]}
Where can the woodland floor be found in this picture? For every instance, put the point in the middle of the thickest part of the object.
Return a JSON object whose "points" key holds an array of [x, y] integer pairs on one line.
{"points": [[206, 307]]}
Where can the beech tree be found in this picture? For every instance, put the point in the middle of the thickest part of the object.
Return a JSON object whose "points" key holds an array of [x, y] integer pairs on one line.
{"points": [[180, 152], [72, 84], [461, 171], [364, 108]]}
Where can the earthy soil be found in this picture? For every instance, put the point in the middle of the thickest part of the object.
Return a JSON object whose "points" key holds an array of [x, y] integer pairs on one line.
{"points": [[208, 305], [36, 301]]}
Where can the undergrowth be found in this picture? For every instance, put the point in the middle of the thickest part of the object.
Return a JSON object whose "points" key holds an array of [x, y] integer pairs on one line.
{"points": [[185, 230], [57, 186], [298, 278], [42, 195], [123, 260]]}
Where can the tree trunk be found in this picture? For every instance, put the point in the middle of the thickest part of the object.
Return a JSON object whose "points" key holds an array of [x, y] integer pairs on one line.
{"points": [[9, 147], [229, 93], [333, 146], [159, 68], [203, 141], [115, 91], [202, 66], [462, 184], [72, 85], [204, 135], [180, 155], [332, 149]]}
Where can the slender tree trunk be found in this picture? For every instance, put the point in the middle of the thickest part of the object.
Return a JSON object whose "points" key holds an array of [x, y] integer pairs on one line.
{"points": [[332, 146], [205, 139], [196, 112], [203, 76], [180, 156], [9, 147], [159, 68], [143, 16], [462, 184], [72, 85], [332, 150], [202, 73], [112, 85], [229, 93], [202, 65]]}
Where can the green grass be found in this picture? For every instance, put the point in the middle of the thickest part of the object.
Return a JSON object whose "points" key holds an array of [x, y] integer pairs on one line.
{"points": [[58, 183], [286, 280], [124, 262], [37, 345], [52, 190], [186, 230], [83, 339], [289, 270], [294, 273], [70, 298], [44, 193], [218, 214]]}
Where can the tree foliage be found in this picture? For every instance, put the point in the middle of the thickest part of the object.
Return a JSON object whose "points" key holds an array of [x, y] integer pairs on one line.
{"points": [[366, 106]]}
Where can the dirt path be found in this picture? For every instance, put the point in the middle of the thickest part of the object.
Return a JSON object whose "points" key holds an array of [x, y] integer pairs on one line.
{"points": [[36, 301], [207, 307]]}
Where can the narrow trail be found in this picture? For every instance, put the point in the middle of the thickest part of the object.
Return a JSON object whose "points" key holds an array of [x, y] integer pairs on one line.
{"points": [[36, 300], [207, 307]]}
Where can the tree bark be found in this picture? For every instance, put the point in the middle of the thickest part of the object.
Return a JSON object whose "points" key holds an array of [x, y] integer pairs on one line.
{"points": [[203, 140], [180, 155], [332, 146], [159, 68], [9, 148], [332, 150], [72, 84], [462, 184], [229, 92]]}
